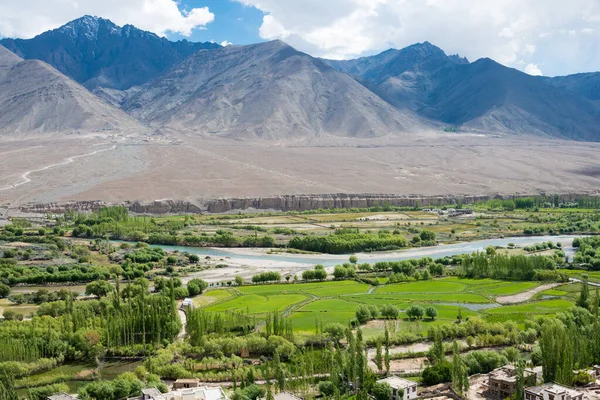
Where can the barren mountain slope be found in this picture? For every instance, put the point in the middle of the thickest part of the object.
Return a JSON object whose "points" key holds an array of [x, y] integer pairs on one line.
{"points": [[267, 90], [36, 98], [482, 95]]}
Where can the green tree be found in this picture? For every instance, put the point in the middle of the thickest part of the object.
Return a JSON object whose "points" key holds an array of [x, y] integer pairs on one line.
{"points": [[557, 352], [415, 312], [353, 259], [335, 331], [99, 288], [4, 291], [584, 296], [326, 388], [520, 381], [378, 355], [427, 236], [387, 351], [383, 391], [196, 286], [460, 374], [239, 280], [431, 312], [363, 314]]}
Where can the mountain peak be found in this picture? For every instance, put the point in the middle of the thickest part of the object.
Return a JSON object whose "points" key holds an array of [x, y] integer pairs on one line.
{"points": [[88, 26]]}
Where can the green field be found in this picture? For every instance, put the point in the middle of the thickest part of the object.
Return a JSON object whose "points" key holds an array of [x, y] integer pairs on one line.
{"points": [[336, 301]]}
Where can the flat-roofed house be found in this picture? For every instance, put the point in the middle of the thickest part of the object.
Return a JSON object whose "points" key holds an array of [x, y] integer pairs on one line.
{"points": [[552, 391], [397, 384]]}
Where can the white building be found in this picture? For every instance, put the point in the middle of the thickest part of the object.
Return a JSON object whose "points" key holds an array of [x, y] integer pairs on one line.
{"points": [[397, 383], [197, 393], [552, 391]]}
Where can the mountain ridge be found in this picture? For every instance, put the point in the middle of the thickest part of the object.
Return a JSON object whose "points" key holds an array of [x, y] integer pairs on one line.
{"points": [[271, 90], [44, 101], [97, 53], [266, 90]]}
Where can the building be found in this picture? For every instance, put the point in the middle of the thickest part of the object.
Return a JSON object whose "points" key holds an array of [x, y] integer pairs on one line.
{"points": [[503, 381], [195, 393], [397, 383], [186, 384], [152, 394], [552, 391], [187, 303], [61, 396]]}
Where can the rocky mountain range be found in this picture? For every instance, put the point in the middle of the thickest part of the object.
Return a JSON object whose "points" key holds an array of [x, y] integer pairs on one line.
{"points": [[35, 98], [267, 90], [99, 54], [272, 91]]}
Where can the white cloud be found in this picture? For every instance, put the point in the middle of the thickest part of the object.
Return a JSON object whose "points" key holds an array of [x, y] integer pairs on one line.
{"points": [[27, 18], [226, 43], [533, 69], [506, 30]]}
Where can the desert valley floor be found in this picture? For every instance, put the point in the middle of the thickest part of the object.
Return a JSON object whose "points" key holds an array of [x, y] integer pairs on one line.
{"points": [[195, 168]]}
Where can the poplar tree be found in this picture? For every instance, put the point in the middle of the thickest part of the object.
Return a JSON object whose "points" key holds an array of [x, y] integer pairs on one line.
{"points": [[460, 375], [378, 356]]}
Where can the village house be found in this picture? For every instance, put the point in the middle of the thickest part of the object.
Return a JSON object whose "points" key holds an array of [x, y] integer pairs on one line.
{"points": [[186, 384], [61, 396], [552, 391], [192, 393], [503, 381], [397, 383]]}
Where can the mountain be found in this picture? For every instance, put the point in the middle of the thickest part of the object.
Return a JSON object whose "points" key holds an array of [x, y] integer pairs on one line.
{"points": [[36, 98], [267, 90], [587, 84], [97, 53], [483, 95]]}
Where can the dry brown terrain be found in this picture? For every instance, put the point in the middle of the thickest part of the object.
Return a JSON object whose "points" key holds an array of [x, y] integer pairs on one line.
{"points": [[196, 168]]}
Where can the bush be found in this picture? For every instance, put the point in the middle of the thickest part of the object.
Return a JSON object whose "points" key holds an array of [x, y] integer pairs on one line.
{"points": [[431, 312], [4, 290], [326, 388], [383, 391], [196, 286], [415, 312], [251, 392], [439, 373], [390, 312]]}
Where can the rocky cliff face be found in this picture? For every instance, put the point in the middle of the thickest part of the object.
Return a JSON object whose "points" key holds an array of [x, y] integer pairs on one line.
{"points": [[272, 203]]}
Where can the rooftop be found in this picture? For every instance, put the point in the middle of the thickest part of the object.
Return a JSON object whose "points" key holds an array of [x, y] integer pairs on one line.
{"points": [[61, 396], [397, 383], [508, 373], [153, 392], [553, 388]]}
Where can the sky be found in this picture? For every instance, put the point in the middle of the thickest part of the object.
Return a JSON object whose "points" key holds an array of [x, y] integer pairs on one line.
{"points": [[549, 37]]}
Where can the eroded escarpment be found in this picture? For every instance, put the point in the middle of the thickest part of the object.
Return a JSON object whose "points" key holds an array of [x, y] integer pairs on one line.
{"points": [[276, 203]]}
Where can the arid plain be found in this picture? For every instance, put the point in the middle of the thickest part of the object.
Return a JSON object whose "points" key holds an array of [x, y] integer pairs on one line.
{"points": [[192, 168]]}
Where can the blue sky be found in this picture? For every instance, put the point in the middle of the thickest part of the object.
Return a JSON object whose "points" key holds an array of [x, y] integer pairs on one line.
{"points": [[234, 22]]}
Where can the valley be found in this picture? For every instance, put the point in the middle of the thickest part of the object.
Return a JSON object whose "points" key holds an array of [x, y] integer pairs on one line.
{"points": [[183, 167]]}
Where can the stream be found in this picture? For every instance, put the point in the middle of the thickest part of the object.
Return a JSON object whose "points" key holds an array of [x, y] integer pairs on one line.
{"points": [[330, 260]]}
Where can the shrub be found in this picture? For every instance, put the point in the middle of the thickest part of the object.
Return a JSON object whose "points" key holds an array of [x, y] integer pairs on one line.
{"points": [[326, 388]]}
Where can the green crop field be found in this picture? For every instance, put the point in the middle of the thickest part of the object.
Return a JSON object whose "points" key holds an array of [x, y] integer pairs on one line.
{"points": [[257, 304], [336, 301]]}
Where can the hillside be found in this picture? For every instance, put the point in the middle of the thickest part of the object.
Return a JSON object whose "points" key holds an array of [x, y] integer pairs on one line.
{"points": [[268, 90], [97, 53], [587, 84], [483, 95], [36, 98]]}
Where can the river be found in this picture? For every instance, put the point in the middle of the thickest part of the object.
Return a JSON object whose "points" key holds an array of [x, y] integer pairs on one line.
{"points": [[240, 256]]}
